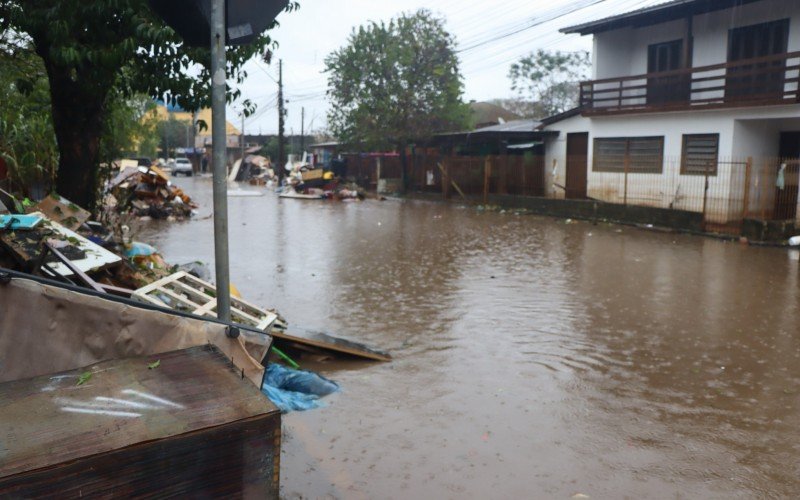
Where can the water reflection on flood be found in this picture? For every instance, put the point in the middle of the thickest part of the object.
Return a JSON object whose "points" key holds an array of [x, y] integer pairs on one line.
{"points": [[534, 358]]}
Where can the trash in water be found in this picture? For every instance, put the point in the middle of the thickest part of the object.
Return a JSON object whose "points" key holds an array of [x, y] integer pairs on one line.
{"points": [[295, 390]]}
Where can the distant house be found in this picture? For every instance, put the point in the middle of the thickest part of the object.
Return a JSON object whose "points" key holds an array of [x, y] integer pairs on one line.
{"points": [[486, 114], [512, 137], [683, 95]]}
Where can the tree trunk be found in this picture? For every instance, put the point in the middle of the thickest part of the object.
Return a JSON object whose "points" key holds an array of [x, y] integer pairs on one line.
{"points": [[78, 108]]}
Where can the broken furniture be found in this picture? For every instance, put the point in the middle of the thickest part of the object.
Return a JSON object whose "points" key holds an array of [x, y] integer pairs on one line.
{"points": [[59, 209], [189, 426], [183, 292], [101, 395], [27, 248]]}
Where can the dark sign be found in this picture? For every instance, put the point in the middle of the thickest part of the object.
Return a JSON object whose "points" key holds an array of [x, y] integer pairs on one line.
{"points": [[246, 19]]}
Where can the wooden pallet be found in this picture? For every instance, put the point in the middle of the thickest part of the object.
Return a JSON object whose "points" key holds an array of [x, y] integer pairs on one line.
{"points": [[183, 292]]}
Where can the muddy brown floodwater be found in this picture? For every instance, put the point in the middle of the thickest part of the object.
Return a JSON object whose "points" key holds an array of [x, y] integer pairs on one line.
{"points": [[533, 358]]}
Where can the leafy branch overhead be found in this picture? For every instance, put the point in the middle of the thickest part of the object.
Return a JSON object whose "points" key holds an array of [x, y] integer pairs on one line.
{"points": [[98, 51], [550, 80], [395, 83]]}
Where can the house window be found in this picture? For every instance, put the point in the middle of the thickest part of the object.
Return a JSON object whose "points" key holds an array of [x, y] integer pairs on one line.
{"points": [[662, 57], [643, 155], [765, 79], [700, 154]]}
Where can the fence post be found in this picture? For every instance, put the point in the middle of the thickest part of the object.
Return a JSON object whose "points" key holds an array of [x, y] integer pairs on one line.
{"points": [[446, 179], [377, 176], [748, 169], [705, 195], [627, 164], [487, 173], [524, 180]]}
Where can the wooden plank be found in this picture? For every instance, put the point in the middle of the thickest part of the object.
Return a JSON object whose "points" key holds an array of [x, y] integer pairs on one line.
{"points": [[51, 420], [257, 317], [61, 210], [180, 298], [97, 257], [331, 343], [141, 292], [77, 272]]}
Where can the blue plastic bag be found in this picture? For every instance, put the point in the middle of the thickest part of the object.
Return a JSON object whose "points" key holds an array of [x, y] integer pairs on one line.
{"points": [[295, 390]]}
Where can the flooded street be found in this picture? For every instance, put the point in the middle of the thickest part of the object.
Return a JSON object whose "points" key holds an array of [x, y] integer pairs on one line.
{"points": [[533, 358]]}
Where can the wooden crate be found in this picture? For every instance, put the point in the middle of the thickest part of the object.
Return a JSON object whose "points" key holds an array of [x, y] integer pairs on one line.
{"points": [[190, 427]]}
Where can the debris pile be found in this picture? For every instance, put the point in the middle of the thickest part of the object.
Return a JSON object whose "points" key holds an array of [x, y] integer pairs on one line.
{"points": [[256, 170], [147, 192], [307, 182], [55, 239]]}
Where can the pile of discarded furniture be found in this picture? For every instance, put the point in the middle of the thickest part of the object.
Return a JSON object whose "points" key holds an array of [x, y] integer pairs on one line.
{"points": [[147, 192]]}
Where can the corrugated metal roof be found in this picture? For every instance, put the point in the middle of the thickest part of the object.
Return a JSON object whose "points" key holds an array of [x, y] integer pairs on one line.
{"points": [[663, 12], [512, 126]]}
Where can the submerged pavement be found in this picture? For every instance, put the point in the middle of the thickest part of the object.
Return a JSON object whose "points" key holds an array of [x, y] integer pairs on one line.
{"points": [[533, 358]]}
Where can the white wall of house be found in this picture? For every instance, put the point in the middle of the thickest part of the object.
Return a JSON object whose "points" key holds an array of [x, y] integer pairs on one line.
{"points": [[623, 52], [743, 133]]}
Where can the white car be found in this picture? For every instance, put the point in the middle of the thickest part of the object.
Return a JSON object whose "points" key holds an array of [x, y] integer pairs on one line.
{"points": [[182, 166]]}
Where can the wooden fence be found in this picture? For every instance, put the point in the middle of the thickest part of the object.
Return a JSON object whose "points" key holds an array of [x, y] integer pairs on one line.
{"points": [[470, 176]]}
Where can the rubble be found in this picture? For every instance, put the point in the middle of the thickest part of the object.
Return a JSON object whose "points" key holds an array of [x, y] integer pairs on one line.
{"points": [[147, 192]]}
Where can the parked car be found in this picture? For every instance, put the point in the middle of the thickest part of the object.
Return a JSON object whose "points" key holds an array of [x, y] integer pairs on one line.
{"points": [[182, 166]]}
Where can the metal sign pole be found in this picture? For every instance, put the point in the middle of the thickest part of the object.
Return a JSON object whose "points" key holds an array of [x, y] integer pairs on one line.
{"points": [[219, 142]]}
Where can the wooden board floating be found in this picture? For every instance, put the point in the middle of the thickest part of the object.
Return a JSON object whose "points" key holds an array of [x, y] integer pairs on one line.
{"points": [[327, 342]]}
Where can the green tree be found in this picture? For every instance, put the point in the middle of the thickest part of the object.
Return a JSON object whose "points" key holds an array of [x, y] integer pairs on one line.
{"points": [[27, 140], [173, 133], [518, 105], [395, 84], [550, 80], [91, 48]]}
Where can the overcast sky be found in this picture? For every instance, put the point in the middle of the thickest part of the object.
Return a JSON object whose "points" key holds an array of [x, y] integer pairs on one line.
{"points": [[490, 36]]}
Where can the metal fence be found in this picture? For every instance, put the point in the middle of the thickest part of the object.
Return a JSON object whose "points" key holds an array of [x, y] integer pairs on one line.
{"points": [[726, 191]]}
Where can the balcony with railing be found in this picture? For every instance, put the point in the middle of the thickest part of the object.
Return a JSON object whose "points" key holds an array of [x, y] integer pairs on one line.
{"points": [[762, 81]]}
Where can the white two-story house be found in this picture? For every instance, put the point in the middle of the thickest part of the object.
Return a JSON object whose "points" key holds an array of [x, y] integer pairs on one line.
{"points": [[693, 105]]}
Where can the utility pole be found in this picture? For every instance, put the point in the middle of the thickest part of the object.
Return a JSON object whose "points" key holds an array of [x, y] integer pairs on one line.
{"points": [[302, 130], [281, 113], [219, 144]]}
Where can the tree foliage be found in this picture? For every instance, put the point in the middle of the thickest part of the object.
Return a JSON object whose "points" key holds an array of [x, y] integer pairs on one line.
{"points": [[549, 80], [395, 83], [102, 50], [173, 133], [27, 140]]}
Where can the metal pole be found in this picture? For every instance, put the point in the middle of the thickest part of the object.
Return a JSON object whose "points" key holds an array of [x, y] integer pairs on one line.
{"points": [[281, 115], [219, 142]]}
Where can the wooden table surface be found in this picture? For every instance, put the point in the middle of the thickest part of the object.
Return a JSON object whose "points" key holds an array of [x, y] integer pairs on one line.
{"points": [[52, 420]]}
